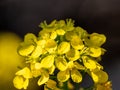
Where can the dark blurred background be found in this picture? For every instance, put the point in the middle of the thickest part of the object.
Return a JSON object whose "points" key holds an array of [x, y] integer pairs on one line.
{"points": [[101, 16]]}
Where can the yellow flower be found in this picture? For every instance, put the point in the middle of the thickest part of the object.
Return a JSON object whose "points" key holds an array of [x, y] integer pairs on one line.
{"points": [[63, 76], [37, 52], [51, 69], [51, 84], [45, 34], [61, 63], [95, 52], [31, 47], [69, 35], [99, 76], [95, 40], [22, 78], [35, 69], [73, 54], [89, 63], [77, 43], [20, 82], [63, 47], [30, 38], [48, 61], [25, 72], [50, 46], [25, 50], [70, 85], [76, 76], [60, 31], [44, 78], [79, 66], [53, 35], [104, 86], [63, 50]]}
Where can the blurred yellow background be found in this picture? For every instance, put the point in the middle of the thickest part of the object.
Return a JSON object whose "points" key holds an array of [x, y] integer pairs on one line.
{"points": [[10, 60]]}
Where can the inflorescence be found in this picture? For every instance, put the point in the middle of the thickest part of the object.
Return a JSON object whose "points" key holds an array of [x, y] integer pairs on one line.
{"points": [[62, 53]]}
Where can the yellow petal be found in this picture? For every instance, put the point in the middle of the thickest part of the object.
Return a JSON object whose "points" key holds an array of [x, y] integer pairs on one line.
{"points": [[38, 65], [44, 34], [99, 76], [70, 85], [51, 84], [48, 61], [44, 78], [53, 35], [50, 43], [61, 63], [41, 43], [95, 52], [100, 87], [88, 63], [77, 43], [69, 35], [63, 76], [76, 76], [51, 46], [70, 65], [25, 50], [25, 84], [18, 82], [30, 38], [35, 69], [51, 69], [63, 47], [73, 54], [97, 39], [60, 31], [79, 66], [37, 52], [25, 72]]}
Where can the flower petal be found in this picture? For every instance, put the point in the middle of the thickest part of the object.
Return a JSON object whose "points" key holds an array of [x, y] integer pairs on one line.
{"points": [[61, 63], [88, 63], [95, 52], [25, 84], [99, 76], [37, 52], [76, 75], [97, 39], [30, 38], [63, 47], [51, 84], [77, 43], [25, 72], [63, 76], [26, 50], [73, 54], [18, 82], [44, 78], [48, 61], [51, 69]]}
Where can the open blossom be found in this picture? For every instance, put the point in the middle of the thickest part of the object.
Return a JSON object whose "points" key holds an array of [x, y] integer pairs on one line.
{"points": [[62, 53]]}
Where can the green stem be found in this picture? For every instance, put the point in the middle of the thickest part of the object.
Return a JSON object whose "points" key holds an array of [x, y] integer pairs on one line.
{"points": [[65, 86]]}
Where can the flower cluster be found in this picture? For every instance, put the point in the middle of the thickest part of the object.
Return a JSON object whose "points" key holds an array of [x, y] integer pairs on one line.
{"points": [[62, 52]]}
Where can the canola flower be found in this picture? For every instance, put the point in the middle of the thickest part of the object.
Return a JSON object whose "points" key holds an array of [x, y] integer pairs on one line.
{"points": [[60, 54]]}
